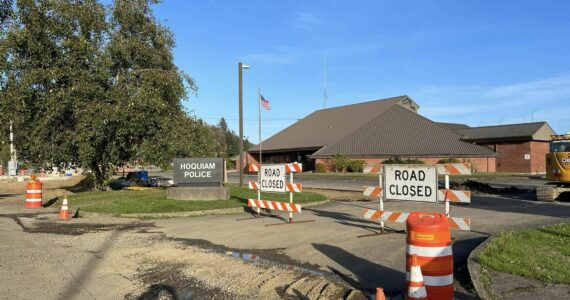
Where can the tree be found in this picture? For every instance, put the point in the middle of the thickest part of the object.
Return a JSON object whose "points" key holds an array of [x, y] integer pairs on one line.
{"points": [[95, 88]]}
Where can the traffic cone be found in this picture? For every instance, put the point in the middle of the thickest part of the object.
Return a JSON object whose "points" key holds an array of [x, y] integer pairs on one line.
{"points": [[64, 212], [416, 287], [380, 294]]}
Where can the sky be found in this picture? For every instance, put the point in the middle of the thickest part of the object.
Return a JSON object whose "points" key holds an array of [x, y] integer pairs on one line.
{"points": [[473, 62]]}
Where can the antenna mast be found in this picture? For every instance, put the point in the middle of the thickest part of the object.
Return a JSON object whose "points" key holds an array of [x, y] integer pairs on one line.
{"points": [[325, 88]]}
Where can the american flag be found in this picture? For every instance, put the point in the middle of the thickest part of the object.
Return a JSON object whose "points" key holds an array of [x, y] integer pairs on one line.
{"points": [[264, 103]]}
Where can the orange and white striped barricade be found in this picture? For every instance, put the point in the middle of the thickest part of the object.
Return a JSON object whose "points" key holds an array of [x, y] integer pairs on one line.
{"points": [[34, 193], [429, 239], [453, 195], [459, 223], [253, 168], [375, 191], [274, 205], [372, 191], [294, 167], [272, 178], [372, 169], [401, 217]]}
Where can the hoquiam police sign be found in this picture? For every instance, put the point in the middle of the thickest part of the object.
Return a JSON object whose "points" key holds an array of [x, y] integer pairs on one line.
{"points": [[198, 171], [272, 178], [411, 182]]}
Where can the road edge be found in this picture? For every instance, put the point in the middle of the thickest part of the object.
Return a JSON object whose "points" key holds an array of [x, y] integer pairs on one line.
{"points": [[476, 270], [196, 213]]}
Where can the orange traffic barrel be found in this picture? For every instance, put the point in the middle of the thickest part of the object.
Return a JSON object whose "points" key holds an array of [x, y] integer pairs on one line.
{"points": [[34, 194], [429, 239]]}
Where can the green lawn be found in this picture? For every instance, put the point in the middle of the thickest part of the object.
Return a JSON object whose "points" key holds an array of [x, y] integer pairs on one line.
{"points": [[154, 201], [542, 253]]}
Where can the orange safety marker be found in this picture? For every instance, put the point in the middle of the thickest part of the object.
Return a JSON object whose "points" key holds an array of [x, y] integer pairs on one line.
{"points": [[372, 191], [371, 170], [459, 223], [416, 287], [253, 185], [274, 205], [429, 240], [454, 169], [294, 187], [34, 193], [380, 294], [293, 167], [64, 212], [253, 168], [457, 196]]}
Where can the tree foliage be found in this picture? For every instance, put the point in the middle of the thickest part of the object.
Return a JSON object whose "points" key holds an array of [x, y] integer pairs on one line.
{"points": [[93, 86]]}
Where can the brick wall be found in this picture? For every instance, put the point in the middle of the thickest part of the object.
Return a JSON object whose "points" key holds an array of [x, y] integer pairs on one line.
{"points": [[478, 164], [538, 152], [512, 156]]}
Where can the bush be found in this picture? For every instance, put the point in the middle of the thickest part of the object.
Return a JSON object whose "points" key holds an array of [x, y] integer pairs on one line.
{"points": [[320, 168], [230, 165], [450, 160], [396, 160], [356, 166], [339, 162]]}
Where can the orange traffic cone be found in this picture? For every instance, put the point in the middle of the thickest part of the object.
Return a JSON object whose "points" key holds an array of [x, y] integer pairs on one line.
{"points": [[416, 287], [380, 294], [64, 212]]}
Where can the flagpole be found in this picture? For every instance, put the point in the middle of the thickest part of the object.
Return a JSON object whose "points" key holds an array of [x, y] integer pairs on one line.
{"points": [[259, 109]]}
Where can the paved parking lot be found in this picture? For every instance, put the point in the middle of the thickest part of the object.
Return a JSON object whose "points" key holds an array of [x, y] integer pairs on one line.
{"points": [[329, 246]]}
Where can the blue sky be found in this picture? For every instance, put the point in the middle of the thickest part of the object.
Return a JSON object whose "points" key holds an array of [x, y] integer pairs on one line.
{"points": [[474, 62]]}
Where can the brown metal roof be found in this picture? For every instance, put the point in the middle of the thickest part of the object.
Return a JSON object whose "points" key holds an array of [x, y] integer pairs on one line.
{"points": [[398, 131], [326, 126], [454, 126], [510, 132]]}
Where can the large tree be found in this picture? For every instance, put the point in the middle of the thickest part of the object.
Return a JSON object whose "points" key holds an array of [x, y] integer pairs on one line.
{"points": [[94, 87]]}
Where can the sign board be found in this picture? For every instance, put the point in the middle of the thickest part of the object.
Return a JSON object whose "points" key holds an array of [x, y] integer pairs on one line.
{"points": [[272, 178], [12, 168], [527, 156], [411, 182], [198, 171]]}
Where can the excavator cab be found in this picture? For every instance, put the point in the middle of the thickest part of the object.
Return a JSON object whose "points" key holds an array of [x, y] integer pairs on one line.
{"points": [[557, 169]]}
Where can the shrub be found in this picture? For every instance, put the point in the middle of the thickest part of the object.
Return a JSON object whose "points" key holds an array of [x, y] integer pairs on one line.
{"points": [[355, 165], [339, 162], [230, 165], [450, 160], [320, 168], [396, 160]]}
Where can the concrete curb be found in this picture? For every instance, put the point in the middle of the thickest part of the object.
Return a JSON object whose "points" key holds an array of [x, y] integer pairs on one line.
{"points": [[197, 213], [476, 270]]}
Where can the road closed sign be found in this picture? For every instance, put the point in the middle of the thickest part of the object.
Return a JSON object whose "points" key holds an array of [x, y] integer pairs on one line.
{"points": [[411, 182], [272, 178]]}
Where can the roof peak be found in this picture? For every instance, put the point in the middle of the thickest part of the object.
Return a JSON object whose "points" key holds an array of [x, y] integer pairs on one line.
{"points": [[365, 102]]}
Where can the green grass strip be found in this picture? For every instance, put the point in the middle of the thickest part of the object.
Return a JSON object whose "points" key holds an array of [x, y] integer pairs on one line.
{"points": [[154, 201], [542, 253]]}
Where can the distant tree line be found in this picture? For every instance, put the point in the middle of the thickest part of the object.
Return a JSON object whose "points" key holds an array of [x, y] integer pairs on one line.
{"points": [[97, 87]]}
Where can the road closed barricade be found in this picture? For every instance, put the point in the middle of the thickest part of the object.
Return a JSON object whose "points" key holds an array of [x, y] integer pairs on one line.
{"points": [[429, 239], [272, 178]]}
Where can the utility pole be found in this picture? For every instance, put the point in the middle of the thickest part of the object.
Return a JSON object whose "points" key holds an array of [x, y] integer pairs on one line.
{"points": [[241, 66]]}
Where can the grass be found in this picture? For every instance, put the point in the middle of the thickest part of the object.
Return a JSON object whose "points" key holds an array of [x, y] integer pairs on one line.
{"points": [[154, 201], [542, 253]]}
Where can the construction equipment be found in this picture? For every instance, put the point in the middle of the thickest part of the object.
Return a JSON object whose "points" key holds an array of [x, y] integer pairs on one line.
{"points": [[557, 169]]}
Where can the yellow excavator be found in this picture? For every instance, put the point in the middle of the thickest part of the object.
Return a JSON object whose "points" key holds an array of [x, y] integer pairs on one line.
{"points": [[557, 169]]}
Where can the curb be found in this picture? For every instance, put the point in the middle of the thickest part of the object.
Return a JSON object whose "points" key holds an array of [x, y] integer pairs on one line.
{"points": [[476, 270], [197, 213]]}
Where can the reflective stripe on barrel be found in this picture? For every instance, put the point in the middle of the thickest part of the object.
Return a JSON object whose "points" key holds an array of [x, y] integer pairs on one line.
{"points": [[33, 194], [429, 239]]}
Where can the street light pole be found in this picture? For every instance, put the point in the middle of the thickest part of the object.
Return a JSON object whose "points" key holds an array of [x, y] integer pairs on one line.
{"points": [[241, 66]]}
